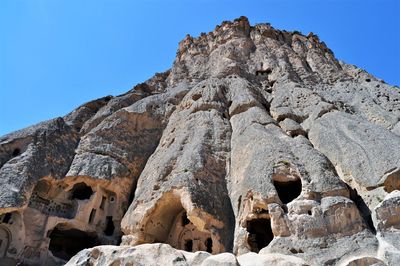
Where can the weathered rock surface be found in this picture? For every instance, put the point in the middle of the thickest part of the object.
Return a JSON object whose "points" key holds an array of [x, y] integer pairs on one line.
{"points": [[257, 147]]}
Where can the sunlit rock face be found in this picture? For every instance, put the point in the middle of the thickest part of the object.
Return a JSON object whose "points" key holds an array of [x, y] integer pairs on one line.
{"points": [[257, 147]]}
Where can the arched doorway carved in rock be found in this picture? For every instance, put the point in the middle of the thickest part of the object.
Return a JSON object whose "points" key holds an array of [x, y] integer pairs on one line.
{"points": [[184, 235]]}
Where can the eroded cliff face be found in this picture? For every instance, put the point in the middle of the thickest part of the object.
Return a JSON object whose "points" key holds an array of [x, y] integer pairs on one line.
{"points": [[257, 146]]}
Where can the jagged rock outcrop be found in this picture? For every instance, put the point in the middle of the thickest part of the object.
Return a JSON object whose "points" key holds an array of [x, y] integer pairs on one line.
{"points": [[257, 147]]}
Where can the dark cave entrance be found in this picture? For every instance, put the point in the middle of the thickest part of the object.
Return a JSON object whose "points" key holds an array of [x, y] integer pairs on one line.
{"points": [[16, 152], [81, 191], [64, 244], [288, 190], [260, 233]]}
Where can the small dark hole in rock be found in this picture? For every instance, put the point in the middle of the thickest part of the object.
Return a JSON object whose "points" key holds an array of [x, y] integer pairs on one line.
{"points": [[189, 245], [209, 245], [16, 152], [368, 80], [7, 218], [185, 220], [103, 202], [293, 251], [309, 212], [196, 96]]}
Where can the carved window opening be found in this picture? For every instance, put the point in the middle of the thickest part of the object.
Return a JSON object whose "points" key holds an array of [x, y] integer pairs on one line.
{"points": [[103, 202], [64, 244], [92, 215], [189, 245], [209, 245], [288, 190], [109, 230], [260, 233], [7, 218], [81, 191]]}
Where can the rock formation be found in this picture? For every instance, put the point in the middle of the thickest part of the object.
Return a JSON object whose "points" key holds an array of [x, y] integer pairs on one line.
{"points": [[257, 147]]}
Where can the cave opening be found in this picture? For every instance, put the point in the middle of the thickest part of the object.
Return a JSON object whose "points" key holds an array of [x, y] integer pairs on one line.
{"points": [[103, 202], [81, 191], [109, 230], [16, 152], [260, 233], [288, 190], [64, 244]]}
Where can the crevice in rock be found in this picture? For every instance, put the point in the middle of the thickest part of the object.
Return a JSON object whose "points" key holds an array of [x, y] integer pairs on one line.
{"points": [[362, 208], [92, 216]]}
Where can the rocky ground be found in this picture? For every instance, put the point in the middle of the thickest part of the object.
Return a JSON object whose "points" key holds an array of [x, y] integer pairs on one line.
{"points": [[257, 147]]}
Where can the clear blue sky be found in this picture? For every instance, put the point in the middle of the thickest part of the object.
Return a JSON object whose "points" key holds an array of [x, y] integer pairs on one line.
{"points": [[58, 54]]}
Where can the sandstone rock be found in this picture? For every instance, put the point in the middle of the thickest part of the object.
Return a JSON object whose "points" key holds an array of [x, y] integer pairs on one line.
{"points": [[344, 137], [223, 259], [257, 147], [44, 150], [147, 254], [366, 261], [254, 259]]}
